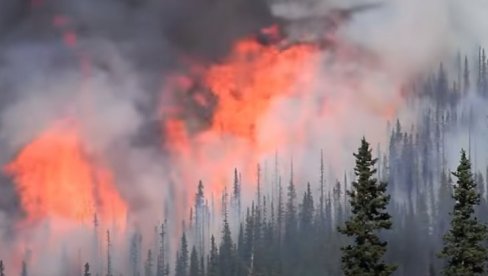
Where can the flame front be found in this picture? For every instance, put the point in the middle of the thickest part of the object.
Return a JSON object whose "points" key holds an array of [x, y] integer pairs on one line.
{"points": [[252, 77], [245, 85], [56, 179]]}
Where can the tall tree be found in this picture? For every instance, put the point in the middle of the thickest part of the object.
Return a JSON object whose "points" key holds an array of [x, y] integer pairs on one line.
{"points": [[24, 269], [194, 269], [109, 256], [86, 271], [463, 249], [213, 265], [135, 253], [227, 252], [161, 257], [368, 200], [181, 268], [307, 211], [148, 271], [2, 269], [466, 80], [291, 212]]}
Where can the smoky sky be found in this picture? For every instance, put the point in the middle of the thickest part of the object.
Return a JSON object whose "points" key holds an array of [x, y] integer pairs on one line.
{"points": [[128, 43]]}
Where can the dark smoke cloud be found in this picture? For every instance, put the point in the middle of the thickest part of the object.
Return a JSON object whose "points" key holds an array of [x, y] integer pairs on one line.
{"points": [[130, 45], [208, 28]]}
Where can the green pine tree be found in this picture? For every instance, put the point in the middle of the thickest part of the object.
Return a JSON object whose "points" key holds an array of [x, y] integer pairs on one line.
{"points": [[368, 199], [463, 249]]}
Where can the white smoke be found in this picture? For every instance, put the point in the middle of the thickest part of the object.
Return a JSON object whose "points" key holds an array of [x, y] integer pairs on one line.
{"points": [[41, 81]]}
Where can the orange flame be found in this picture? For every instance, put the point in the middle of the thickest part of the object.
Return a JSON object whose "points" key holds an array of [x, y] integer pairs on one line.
{"points": [[56, 179], [245, 85], [251, 79]]}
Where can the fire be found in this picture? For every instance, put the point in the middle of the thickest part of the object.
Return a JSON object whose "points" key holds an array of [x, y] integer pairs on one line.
{"points": [[251, 79], [55, 178], [245, 85]]}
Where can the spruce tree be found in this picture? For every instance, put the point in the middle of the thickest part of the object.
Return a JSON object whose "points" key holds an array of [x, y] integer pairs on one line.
{"points": [[2, 269], [194, 270], [109, 256], [182, 258], [368, 199], [149, 263], [227, 255], [463, 249], [24, 269], [213, 265], [86, 272], [307, 211]]}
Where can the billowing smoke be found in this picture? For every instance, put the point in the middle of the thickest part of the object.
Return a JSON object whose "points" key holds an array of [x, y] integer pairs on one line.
{"points": [[164, 93]]}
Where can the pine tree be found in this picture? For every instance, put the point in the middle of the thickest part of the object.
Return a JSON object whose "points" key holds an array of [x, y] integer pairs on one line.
{"points": [[181, 268], [194, 269], [322, 195], [307, 211], [227, 255], [463, 249], [149, 263], [202, 267], [213, 265], [161, 258], [135, 252], [466, 80], [291, 213], [24, 269], [368, 200], [86, 272], [109, 256], [2, 269]]}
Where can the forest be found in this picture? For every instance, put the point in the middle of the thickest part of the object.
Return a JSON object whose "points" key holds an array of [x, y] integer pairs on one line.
{"points": [[402, 211]]}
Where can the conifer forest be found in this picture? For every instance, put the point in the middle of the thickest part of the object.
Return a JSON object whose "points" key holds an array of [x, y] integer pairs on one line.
{"points": [[243, 137]]}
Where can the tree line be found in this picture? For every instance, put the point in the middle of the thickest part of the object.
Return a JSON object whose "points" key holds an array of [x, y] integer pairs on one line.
{"points": [[431, 224]]}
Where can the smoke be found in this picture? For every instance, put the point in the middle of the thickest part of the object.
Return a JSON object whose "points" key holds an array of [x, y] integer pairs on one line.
{"points": [[105, 64]]}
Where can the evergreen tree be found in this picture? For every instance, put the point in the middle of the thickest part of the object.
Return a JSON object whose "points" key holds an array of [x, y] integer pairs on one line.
{"points": [[463, 249], [466, 80], [248, 237], [181, 268], [24, 269], [161, 258], [86, 271], [213, 265], [291, 213], [149, 263], [109, 256], [307, 211], [227, 255], [194, 269], [2, 269], [368, 200], [135, 252]]}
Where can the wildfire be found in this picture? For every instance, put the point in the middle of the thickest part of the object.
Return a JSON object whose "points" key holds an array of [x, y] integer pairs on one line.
{"points": [[244, 85], [254, 76], [55, 178]]}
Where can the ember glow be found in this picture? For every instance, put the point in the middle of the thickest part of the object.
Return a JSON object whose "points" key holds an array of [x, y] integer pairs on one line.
{"points": [[56, 179]]}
